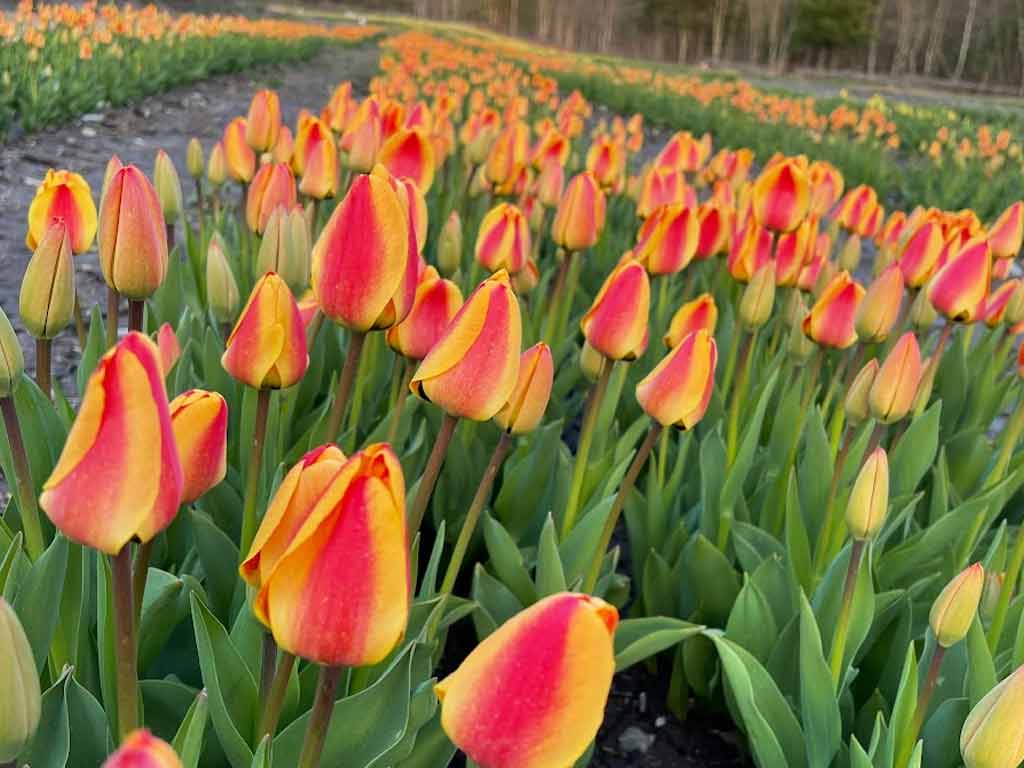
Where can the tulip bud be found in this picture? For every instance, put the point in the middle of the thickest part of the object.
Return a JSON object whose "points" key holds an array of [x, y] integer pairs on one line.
{"points": [[217, 166], [267, 348], [791, 252], [830, 323], [168, 185], [449, 246], [678, 390], [781, 196], [200, 423], [526, 279], [591, 361], [133, 237], [362, 138], [921, 254], [315, 158], [701, 312], [857, 405], [869, 499], [579, 220], [713, 219], [958, 289], [437, 300], [118, 477], [272, 187], [533, 693], [285, 248], [994, 306], [66, 197], [263, 121], [894, 388], [993, 733], [528, 401], [507, 154], [668, 240], [221, 287], [20, 684], [333, 567], [1015, 306], [750, 249], [47, 299], [616, 323], [1006, 233], [956, 606], [800, 347], [849, 256], [141, 749], [550, 184], [12, 359], [758, 298], [408, 153], [879, 310], [924, 389], [922, 313], [194, 160], [503, 240], [168, 347], [239, 159]]}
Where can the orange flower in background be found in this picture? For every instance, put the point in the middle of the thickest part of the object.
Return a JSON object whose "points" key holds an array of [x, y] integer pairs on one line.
{"points": [[132, 235], [958, 290], [826, 184], [552, 147], [859, 211], [141, 749], [920, 255], [895, 385], [362, 138], [338, 595], [700, 313], [267, 348], [238, 155], [478, 134], [272, 187], [678, 390], [714, 221], [528, 401], [996, 303], [1006, 233], [682, 152], [781, 196], [503, 240], [472, 370], [436, 302], [315, 160], [550, 184], [199, 420], [663, 186], [507, 155], [616, 323], [579, 219], [830, 323], [667, 241], [118, 477], [533, 693], [751, 249], [66, 197], [264, 120], [409, 153], [880, 308], [606, 161]]}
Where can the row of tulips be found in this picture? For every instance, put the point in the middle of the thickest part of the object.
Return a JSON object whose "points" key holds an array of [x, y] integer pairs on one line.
{"points": [[264, 522]]}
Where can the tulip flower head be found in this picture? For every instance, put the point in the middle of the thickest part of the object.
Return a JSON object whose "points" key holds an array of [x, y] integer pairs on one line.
{"points": [[579, 220], [668, 240], [880, 308], [959, 288], [263, 121], [503, 240], [678, 390], [132, 235], [238, 157], [22, 698], [272, 187], [616, 323], [525, 407], [1006, 233], [221, 286], [830, 323], [993, 733], [200, 423], [856, 405], [437, 300], [168, 185], [47, 298], [66, 197], [781, 196], [701, 312], [285, 247], [217, 165], [956, 606], [409, 153], [758, 298], [315, 159], [869, 499], [194, 160], [141, 749], [894, 388], [449, 245]]}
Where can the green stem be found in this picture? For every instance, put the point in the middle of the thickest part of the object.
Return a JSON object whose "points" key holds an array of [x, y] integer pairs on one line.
{"points": [[924, 696], [812, 379], [663, 448], [319, 717], [430, 473], [313, 329], [140, 570], [480, 499], [571, 288], [403, 394], [639, 459], [113, 316], [843, 622], [43, 367], [83, 335], [579, 467], [127, 649], [371, 348], [730, 364], [252, 475], [28, 506], [739, 395], [345, 380], [556, 298], [275, 696]]}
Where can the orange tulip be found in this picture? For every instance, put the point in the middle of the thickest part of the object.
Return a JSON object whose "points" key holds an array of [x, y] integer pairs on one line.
{"points": [[1006, 233], [663, 186], [437, 300], [616, 323], [63, 196], [336, 591], [503, 240], [751, 249], [315, 159], [284, 147], [880, 308], [550, 184], [995, 305], [272, 187], [409, 153], [791, 251], [920, 255], [830, 323], [168, 347], [200, 423], [606, 161], [238, 155], [362, 138], [528, 401], [267, 348], [781, 196], [472, 370], [133, 237], [681, 152], [895, 386], [678, 390], [533, 693], [118, 477], [141, 749], [507, 154], [264, 120], [216, 165], [667, 241], [579, 219], [552, 147], [858, 211], [960, 287], [826, 186], [701, 313], [714, 223]]}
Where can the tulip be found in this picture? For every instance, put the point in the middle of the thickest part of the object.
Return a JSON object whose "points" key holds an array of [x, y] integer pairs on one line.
{"points": [[849, 256], [781, 196], [1014, 313], [858, 209], [894, 388], [678, 390], [20, 683], [503, 240], [141, 749], [750, 250], [436, 303], [955, 608], [668, 240], [414, 204], [714, 222], [922, 313], [526, 279], [701, 312], [449, 245], [958, 289], [199, 420], [606, 161], [361, 140], [550, 184], [869, 499], [315, 159], [217, 165], [239, 159], [267, 348], [663, 186], [409, 153], [284, 148], [857, 403], [63, 196], [168, 347], [616, 323], [995, 305], [529, 399], [830, 323], [791, 252], [221, 287], [507, 154], [1006, 233], [47, 299], [533, 693], [285, 249], [826, 187], [194, 160], [920, 255], [880, 308], [264, 120], [579, 219], [272, 187], [758, 298], [168, 186], [132, 236], [993, 733]]}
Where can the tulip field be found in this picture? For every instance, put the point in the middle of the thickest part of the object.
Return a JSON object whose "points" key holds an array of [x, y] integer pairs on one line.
{"points": [[413, 424]]}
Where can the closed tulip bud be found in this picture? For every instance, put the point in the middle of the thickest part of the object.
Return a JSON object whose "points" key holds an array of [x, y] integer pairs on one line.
{"points": [[678, 390], [168, 185], [579, 220], [333, 568], [758, 298], [994, 306], [1005, 235], [141, 749], [668, 240], [449, 245], [800, 348], [591, 361], [528, 401], [781, 196], [194, 160], [119, 477], [958, 289], [701, 312], [200, 423], [12, 359], [284, 148], [993, 733], [285, 249], [221, 287], [217, 165], [437, 300], [849, 256], [879, 310], [133, 237], [1014, 313], [616, 323], [507, 154], [362, 138], [869, 499], [267, 348], [606, 160], [315, 159], [922, 313], [526, 279], [263, 121], [168, 347], [472, 369], [272, 187], [239, 158], [956, 606], [408, 153], [533, 693], [924, 389], [63, 196], [19, 681], [663, 186], [830, 323], [113, 165], [894, 388], [503, 240], [47, 299], [550, 184], [827, 271], [857, 404], [920, 255]]}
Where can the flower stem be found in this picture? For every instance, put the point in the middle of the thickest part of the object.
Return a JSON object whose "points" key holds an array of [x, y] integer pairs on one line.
{"points": [[348, 376], [80, 324], [319, 717], [843, 622], [28, 506], [556, 298], [483, 494], [739, 395], [127, 651], [579, 467], [275, 696], [43, 367], [403, 394], [924, 696], [252, 475], [136, 312], [139, 572], [430, 473], [113, 316], [620, 501]]}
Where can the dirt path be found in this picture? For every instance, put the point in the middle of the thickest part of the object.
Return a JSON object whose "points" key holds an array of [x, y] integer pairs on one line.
{"points": [[135, 133]]}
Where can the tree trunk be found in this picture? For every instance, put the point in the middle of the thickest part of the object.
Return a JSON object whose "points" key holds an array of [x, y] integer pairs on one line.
{"points": [[965, 42], [876, 34], [684, 44], [935, 38], [905, 37], [718, 29], [1020, 43], [513, 17], [774, 43]]}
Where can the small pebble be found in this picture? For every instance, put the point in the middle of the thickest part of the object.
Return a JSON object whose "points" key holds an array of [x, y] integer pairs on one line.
{"points": [[659, 722], [635, 740]]}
